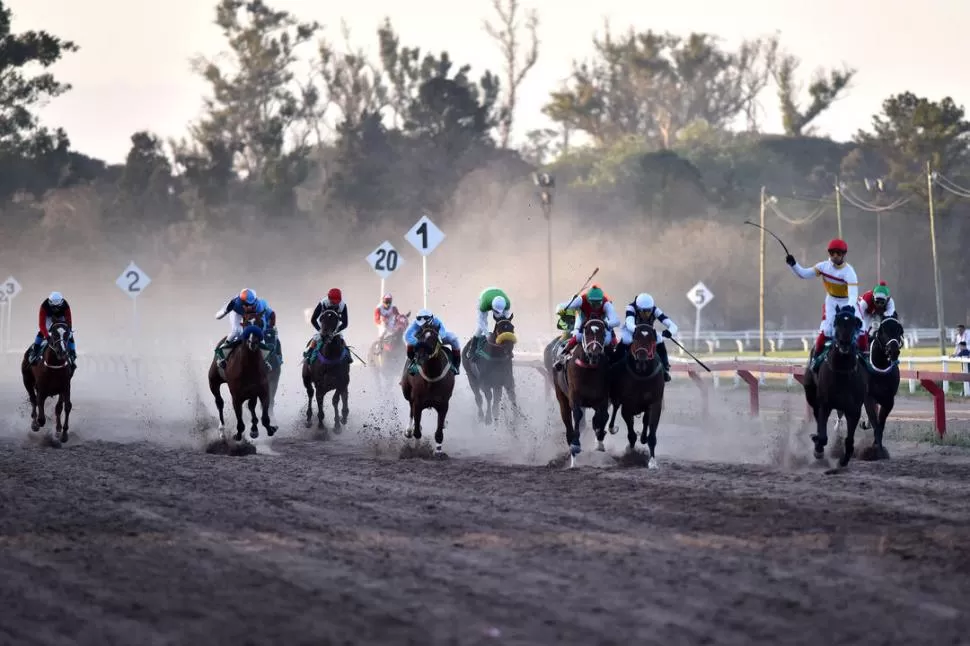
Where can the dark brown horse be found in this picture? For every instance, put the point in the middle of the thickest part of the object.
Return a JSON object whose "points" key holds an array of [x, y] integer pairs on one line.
{"points": [[840, 385], [883, 382], [248, 379], [432, 384], [637, 387], [492, 373], [584, 383], [326, 369], [49, 377]]}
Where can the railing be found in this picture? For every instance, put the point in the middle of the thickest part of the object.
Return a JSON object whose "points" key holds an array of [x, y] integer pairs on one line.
{"points": [[754, 373]]}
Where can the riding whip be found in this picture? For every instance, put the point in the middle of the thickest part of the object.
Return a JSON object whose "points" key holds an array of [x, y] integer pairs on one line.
{"points": [[699, 362], [595, 271], [788, 253], [351, 350]]}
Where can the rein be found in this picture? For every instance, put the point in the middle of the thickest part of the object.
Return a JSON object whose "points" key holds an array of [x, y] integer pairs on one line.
{"points": [[444, 371]]}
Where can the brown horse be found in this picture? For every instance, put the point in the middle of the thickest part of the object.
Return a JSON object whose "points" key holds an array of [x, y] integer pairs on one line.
{"points": [[389, 349], [326, 369], [431, 386], [492, 373], [637, 386], [49, 377], [584, 383], [248, 378]]}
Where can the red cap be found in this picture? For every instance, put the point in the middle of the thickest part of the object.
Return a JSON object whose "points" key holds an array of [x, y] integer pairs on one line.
{"points": [[838, 245], [334, 295]]}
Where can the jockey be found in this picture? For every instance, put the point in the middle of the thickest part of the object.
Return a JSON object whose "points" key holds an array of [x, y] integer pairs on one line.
{"points": [[447, 337], [246, 303], [384, 313], [334, 302], [644, 310], [493, 300], [874, 305], [565, 320], [592, 304], [53, 310], [841, 287]]}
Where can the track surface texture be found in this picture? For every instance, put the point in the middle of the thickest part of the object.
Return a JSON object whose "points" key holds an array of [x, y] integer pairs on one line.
{"points": [[115, 539]]}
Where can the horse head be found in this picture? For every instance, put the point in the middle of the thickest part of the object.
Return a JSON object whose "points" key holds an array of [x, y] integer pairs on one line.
{"points": [[253, 334], [329, 322], [59, 334], [428, 343], [503, 336], [889, 338], [643, 347], [401, 321], [594, 341], [846, 326]]}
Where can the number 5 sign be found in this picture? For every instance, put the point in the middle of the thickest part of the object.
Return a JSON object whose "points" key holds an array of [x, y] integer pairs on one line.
{"points": [[133, 280], [384, 260]]}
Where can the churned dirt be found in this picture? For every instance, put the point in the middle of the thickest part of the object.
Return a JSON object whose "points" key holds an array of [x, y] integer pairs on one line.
{"points": [[126, 541]]}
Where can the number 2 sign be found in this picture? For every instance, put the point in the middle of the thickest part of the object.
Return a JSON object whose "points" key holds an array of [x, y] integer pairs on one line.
{"points": [[133, 280]]}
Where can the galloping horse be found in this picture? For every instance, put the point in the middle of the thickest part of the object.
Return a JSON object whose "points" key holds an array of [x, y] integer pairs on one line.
{"points": [[432, 386], [883, 382], [248, 379], [51, 376], [389, 349], [326, 370], [637, 386], [840, 385], [493, 372], [583, 383]]}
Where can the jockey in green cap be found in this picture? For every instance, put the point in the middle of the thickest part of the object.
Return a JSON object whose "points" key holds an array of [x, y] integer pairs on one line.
{"points": [[493, 300], [874, 306]]}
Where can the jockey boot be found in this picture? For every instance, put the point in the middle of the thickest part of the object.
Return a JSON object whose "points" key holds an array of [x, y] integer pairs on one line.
{"points": [[819, 349], [456, 361], [557, 365], [479, 346], [34, 354], [410, 367], [664, 359]]}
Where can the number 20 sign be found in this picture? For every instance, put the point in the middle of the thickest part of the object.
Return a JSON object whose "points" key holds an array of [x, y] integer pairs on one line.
{"points": [[385, 260]]}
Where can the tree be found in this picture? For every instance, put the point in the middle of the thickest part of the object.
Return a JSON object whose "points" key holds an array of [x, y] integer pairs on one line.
{"points": [[147, 172], [912, 130], [506, 34], [353, 84], [824, 91], [256, 113], [653, 85]]}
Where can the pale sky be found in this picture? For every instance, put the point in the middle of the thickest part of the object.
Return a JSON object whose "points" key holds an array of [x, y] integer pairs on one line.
{"points": [[132, 71]]}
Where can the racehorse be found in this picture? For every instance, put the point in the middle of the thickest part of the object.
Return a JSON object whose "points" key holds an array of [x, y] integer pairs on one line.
{"points": [[883, 381], [431, 386], [248, 379], [50, 376], [839, 385], [637, 386], [492, 373], [327, 370], [584, 384], [387, 350]]}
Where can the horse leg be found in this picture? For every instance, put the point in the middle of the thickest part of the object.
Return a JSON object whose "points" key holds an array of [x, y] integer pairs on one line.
{"points": [[651, 420], [852, 421], [577, 412], [478, 401], [821, 437], [29, 384], [215, 387], [67, 412], [600, 416], [439, 433], [41, 417], [254, 429], [879, 427], [335, 400], [237, 408], [496, 401], [266, 402], [416, 411], [320, 413], [489, 396], [58, 410], [631, 434], [345, 410]]}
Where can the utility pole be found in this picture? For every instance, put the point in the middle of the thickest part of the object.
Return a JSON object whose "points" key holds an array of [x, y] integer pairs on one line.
{"points": [[761, 279], [838, 205], [936, 266], [546, 183]]}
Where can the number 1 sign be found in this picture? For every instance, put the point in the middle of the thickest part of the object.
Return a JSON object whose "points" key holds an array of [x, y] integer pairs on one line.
{"points": [[425, 237]]}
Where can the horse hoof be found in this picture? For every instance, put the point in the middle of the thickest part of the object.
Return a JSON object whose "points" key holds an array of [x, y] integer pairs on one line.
{"points": [[652, 463], [614, 430], [237, 437], [34, 426], [308, 424], [864, 425], [408, 433], [572, 461], [819, 454], [222, 426], [438, 450], [254, 433], [271, 430], [600, 446], [575, 449], [64, 437]]}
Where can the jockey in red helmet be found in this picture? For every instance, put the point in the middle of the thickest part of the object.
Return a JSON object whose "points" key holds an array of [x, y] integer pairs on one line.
{"points": [[335, 302], [384, 314], [840, 283]]}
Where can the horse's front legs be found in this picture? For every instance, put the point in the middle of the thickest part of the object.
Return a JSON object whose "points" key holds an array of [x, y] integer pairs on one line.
{"points": [[648, 436], [266, 403], [600, 417], [851, 421], [237, 408], [477, 391], [67, 412], [320, 413], [41, 418], [439, 434], [336, 412], [58, 410], [496, 402], [821, 437], [415, 426]]}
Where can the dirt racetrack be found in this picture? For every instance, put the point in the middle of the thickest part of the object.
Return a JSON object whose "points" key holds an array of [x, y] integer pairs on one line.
{"points": [[131, 534]]}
